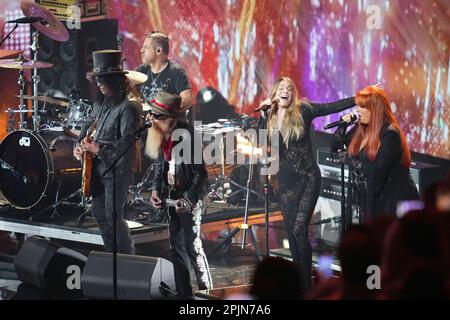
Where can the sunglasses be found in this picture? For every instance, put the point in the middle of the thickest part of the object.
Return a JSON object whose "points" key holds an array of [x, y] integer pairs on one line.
{"points": [[100, 80], [157, 116]]}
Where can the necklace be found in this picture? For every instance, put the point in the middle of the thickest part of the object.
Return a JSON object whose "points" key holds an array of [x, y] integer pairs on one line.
{"points": [[159, 73]]}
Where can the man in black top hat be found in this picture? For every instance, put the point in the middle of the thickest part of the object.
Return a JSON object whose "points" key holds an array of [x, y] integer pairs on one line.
{"points": [[185, 177], [115, 119]]}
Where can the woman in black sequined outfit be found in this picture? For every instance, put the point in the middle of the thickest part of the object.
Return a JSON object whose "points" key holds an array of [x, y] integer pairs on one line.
{"points": [[299, 174]]}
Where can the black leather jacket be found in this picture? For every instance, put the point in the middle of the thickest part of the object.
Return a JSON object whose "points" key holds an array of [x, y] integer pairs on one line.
{"points": [[114, 133], [191, 178]]}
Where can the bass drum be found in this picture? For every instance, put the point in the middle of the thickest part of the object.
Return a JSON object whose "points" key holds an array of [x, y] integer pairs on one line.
{"points": [[35, 165]]}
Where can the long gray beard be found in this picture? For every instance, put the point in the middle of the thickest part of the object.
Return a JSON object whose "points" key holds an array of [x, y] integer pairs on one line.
{"points": [[153, 143]]}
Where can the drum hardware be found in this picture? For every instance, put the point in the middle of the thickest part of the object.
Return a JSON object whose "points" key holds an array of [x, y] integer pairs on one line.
{"points": [[86, 205], [222, 188], [58, 202], [21, 64], [11, 120], [138, 201], [22, 107], [48, 25], [77, 115], [35, 79], [17, 111], [139, 188], [244, 227]]}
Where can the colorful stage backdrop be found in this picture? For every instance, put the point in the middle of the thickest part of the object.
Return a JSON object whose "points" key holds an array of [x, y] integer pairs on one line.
{"points": [[330, 48]]}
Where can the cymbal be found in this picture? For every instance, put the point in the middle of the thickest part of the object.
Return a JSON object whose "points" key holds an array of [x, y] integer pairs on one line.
{"points": [[46, 99], [54, 29], [136, 78], [26, 65]]}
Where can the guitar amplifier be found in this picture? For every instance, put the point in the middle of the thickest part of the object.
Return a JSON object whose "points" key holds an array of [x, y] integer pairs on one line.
{"points": [[89, 9], [331, 189], [329, 166], [423, 174], [328, 209]]}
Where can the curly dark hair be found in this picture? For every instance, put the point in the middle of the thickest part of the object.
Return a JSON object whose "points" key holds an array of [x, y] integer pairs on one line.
{"points": [[119, 85]]}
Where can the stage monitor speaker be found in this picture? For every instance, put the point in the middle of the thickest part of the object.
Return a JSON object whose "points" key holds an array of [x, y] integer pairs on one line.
{"points": [[51, 268], [73, 58], [138, 277]]}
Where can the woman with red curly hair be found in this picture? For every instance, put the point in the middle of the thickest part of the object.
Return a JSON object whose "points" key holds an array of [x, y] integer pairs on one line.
{"points": [[379, 146]]}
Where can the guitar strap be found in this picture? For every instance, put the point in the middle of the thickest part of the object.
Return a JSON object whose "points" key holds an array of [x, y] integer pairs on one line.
{"points": [[171, 173], [104, 119]]}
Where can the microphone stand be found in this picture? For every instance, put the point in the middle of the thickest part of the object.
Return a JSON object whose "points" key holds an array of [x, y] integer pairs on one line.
{"points": [[266, 181], [112, 167], [340, 134], [265, 111], [9, 34]]}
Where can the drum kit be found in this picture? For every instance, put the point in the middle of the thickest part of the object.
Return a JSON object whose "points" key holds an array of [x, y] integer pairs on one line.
{"points": [[229, 183], [37, 168]]}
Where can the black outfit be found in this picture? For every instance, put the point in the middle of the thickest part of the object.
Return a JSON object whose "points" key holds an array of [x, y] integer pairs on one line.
{"points": [[299, 179], [377, 186], [184, 228], [114, 132], [172, 79]]}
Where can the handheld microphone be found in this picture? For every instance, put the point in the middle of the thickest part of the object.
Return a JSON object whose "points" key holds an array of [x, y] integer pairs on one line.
{"points": [[29, 20], [147, 124], [353, 119], [267, 106]]}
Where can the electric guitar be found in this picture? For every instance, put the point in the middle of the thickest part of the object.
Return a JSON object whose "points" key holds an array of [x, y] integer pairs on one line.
{"points": [[169, 202], [87, 165]]}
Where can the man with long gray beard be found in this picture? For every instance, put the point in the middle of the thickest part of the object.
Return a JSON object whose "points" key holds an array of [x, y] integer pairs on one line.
{"points": [[186, 180]]}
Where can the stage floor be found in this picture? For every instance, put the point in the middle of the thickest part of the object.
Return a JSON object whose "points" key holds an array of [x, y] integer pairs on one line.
{"points": [[231, 267]]}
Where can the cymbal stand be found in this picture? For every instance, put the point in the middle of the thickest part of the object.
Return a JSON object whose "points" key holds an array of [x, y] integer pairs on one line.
{"points": [[85, 204], [11, 120], [58, 202], [223, 183], [244, 227], [220, 184], [137, 189], [35, 48], [22, 106]]}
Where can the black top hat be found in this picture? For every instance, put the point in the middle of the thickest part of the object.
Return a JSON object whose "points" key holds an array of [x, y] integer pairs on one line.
{"points": [[106, 62]]}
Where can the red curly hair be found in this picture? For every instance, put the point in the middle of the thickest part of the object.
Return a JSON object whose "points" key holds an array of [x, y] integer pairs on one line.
{"points": [[375, 100]]}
